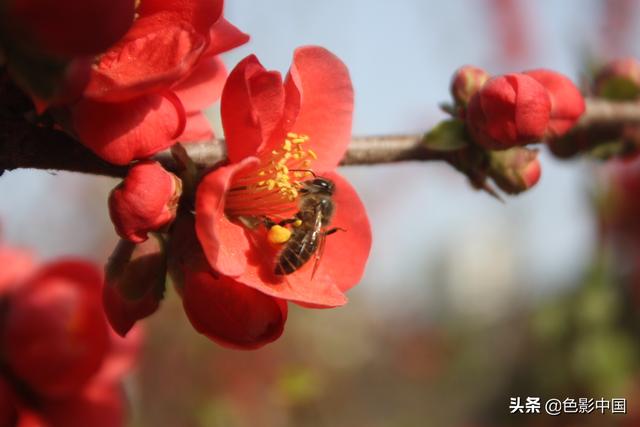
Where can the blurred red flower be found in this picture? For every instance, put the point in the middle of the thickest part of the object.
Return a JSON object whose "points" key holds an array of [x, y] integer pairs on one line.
{"points": [[73, 27], [148, 89], [277, 132], [61, 364]]}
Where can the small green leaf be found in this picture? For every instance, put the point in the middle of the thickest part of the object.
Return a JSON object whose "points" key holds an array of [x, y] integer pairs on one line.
{"points": [[620, 89], [448, 135]]}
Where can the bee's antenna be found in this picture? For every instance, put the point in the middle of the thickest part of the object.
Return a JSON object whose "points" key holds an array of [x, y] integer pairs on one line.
{"points": [[304, 170]]}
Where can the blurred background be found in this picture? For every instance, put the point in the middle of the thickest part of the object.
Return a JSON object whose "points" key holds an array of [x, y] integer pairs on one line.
{"points": [[466, 301]]}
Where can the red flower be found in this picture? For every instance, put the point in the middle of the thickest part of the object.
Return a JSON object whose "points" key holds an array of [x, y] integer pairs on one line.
{"points": [[148, 89], [567, 103], [145, 201], [70, 28], [509, 110], [55, 336], [62, 365], [619, 80], [276, 133]]}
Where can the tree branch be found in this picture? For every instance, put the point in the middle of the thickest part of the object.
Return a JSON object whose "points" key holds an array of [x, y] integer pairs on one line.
{"points": [[26, 145]]}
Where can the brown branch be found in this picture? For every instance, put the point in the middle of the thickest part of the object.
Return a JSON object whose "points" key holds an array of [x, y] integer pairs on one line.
{"points": [[25, 145]]}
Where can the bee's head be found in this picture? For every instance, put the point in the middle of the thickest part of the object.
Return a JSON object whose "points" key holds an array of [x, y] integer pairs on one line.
{"points": [[318, 186]]}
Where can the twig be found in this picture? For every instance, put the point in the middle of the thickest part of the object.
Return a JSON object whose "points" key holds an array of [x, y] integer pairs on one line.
{"points": [[25, 145]]}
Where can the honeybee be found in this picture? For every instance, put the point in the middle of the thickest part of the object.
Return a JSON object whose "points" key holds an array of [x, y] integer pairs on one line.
{"points": [[316, 208]]}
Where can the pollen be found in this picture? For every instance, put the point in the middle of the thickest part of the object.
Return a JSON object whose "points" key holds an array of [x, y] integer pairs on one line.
{"points": [[272, 187], [278, 234]]}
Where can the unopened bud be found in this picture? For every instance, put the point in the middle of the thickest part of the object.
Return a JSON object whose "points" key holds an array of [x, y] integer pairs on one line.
{"points": [[135, 280], [145, 201], [619, 80], [514, 170], [466, 81], [567, 103], [509, 110]]}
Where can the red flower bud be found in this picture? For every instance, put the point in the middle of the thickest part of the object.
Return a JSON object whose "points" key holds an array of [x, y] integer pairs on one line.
{"points": [[134, 285], [619, 80], [466, 81], [72, 27], [145, 201], [514, 170], [567, 103], [509, 110], [55, 336]]}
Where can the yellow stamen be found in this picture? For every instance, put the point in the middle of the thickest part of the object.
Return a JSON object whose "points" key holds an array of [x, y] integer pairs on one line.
{"points": [[297, 223]]}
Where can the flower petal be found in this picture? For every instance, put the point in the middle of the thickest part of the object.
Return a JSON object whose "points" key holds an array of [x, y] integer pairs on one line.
{"points": [[202, 14], [151, 57], [319, 82], [125, 131], [197, 128], [98, 405], [225, 36], [230, 313], [223, 242], [251, 107], [203, 86], [346, 252], [16, 265]]}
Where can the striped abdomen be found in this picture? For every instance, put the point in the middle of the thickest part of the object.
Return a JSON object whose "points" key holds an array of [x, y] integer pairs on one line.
{"points": [[298, 250]]}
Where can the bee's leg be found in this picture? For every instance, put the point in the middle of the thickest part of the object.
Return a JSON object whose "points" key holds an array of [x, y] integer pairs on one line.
{"points": [[287, 221], [268, 222], [333, 230]]}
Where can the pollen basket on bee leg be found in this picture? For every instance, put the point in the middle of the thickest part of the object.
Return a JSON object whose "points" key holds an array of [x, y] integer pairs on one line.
{"points": [[271, 188]]}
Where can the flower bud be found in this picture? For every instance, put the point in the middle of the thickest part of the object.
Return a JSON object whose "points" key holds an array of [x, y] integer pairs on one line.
{"points": [[466, 81], [145, 201], [55, 336], [619, 80], [567, 103], [514, 170], [509, 110], [134, 283]]}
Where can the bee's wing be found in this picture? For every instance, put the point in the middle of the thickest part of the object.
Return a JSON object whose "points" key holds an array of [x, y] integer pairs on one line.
{"points": [[321, 241]]}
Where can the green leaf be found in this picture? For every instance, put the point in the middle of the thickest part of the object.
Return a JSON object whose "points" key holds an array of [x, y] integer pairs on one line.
{"points": [[448, 135], [620, 89]]}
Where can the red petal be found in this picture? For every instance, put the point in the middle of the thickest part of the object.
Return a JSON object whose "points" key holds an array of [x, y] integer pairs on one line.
{"points": [[122, 313], [230, 313], [125, 131], [55, 335], [223, 242], [567, 103], [73, 28], [203, 86], [122, 356], [197, 128], [98, 405], [346, 252], [225, 36], [252, 105], [151, 57], [533, 107], [201, 14], [16, 266], [319, 83]]}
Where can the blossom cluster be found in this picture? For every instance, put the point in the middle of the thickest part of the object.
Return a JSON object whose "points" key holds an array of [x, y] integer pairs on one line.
{"points": [[60, 364]]}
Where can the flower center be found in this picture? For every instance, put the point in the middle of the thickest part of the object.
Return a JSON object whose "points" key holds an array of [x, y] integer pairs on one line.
{"points": [[271, 188]]}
